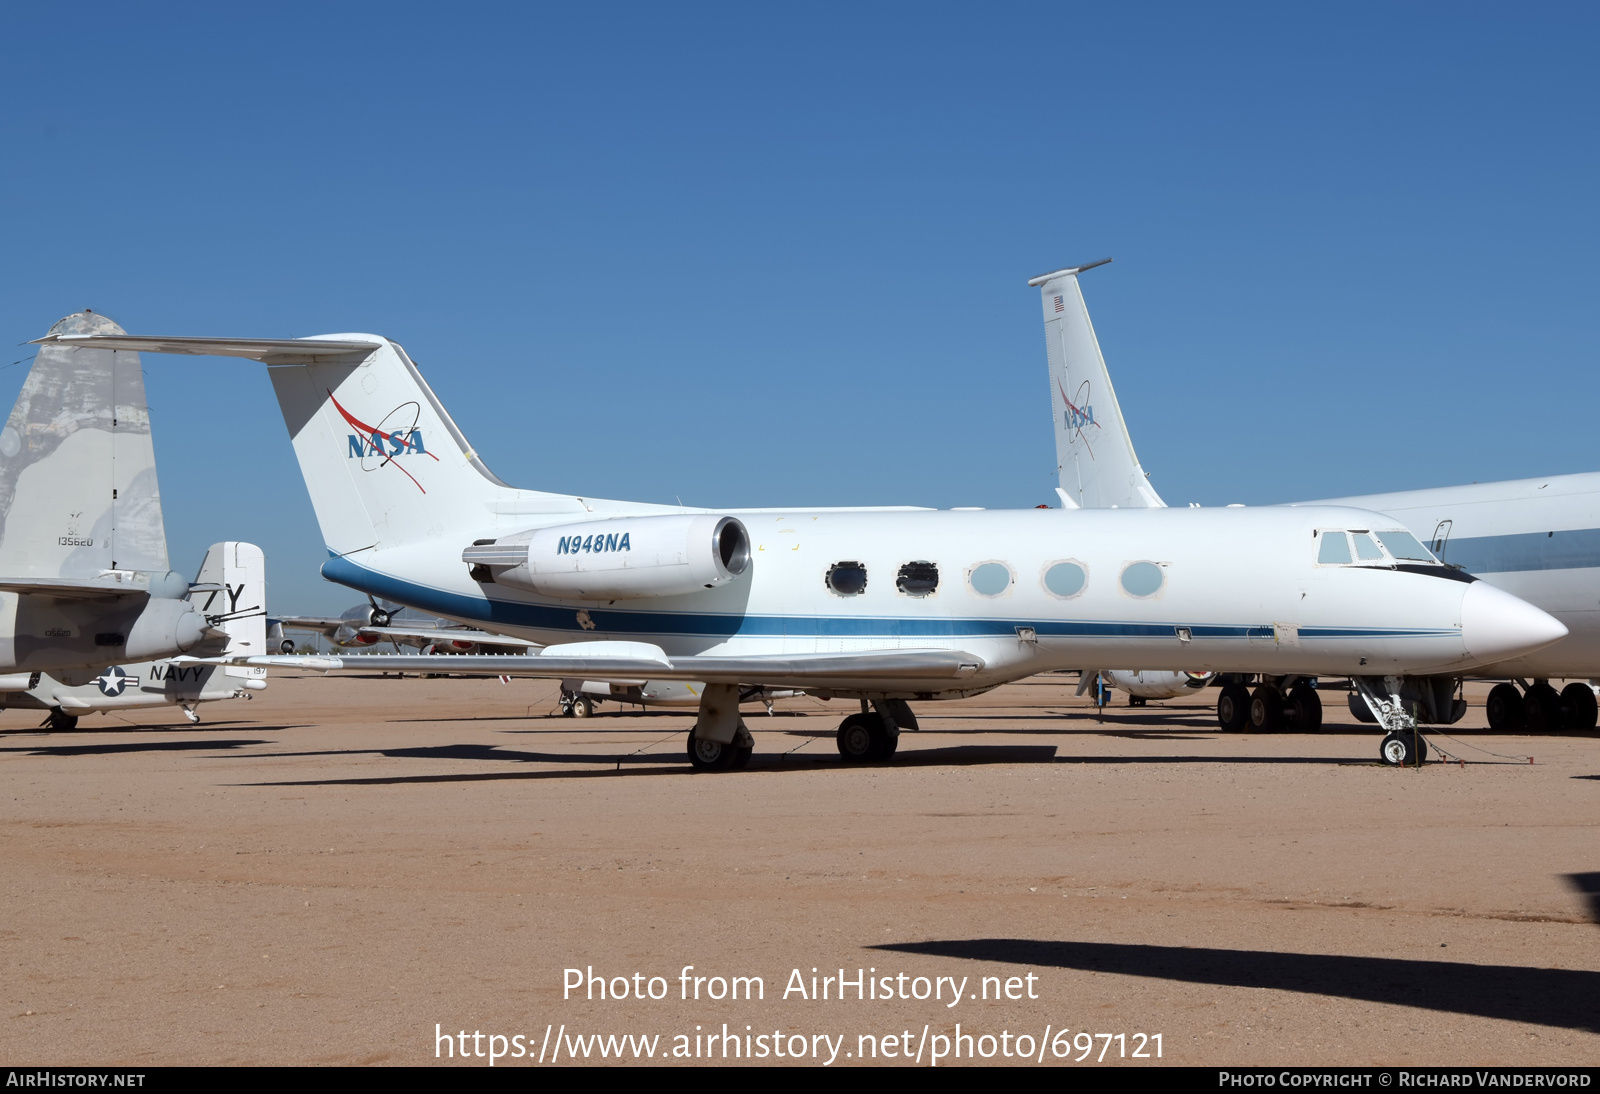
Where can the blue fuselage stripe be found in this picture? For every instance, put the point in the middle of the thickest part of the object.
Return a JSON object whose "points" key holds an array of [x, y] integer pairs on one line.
{"points": [[720, 625]]}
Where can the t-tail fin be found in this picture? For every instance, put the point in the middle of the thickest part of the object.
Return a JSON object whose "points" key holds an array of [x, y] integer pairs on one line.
{"points": [[1094, 454], [78, 492]]}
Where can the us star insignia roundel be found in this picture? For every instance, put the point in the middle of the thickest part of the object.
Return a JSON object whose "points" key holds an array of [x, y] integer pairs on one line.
{"points": [[113, 681]]}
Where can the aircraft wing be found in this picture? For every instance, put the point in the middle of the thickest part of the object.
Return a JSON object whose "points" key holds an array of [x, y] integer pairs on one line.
{"points": [[76, 588], [646, 662], [274, 351]]}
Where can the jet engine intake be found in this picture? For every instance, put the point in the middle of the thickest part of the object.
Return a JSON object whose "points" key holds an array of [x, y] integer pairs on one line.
{"points": [[624, 558]]}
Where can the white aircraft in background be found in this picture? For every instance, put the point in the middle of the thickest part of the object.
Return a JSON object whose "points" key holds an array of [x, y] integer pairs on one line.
{"points": [[881, 606], [1536, 538], [91, 614]]}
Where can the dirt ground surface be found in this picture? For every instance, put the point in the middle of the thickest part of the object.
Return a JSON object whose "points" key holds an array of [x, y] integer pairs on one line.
{"points": [[344, 869]]}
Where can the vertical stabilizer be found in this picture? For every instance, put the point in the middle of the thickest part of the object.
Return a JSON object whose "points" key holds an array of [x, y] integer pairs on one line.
{"points": [[385, 464], [1094, 454], [231, 592], [78, 492]]}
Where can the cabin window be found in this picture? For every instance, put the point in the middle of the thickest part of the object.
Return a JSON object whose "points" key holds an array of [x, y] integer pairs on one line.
{"points": [[990, 578], [1142, 579], [1065, 579], [847, 578], [918, 579], [1366, 550], [1404, 546], [1335, 549]]}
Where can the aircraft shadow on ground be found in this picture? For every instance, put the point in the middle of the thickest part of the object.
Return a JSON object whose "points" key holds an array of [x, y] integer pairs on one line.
{"points": [[110, 748], [1563, 998], [1588, 887], [656, 761]]}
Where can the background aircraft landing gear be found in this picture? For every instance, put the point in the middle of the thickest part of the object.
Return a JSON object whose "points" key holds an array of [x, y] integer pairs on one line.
{"points": [[60, 719], [1233, 707], [575, 704], [1578, 707], [1504, 708], [1541, 708], [1136, 700], [1266, 709], [1402, 749], [1305, 708], [707, 755]]}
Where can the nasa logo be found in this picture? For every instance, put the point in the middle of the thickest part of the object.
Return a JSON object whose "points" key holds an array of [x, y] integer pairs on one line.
{"points": [[113, 681], [1079, 417], [395, 435]]}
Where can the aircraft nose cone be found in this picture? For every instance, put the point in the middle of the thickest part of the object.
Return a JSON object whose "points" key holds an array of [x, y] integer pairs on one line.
{"points": [[1496, 626]]}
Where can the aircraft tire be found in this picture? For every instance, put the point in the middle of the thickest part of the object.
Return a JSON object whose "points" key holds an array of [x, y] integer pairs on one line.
{"points": [[1541, 709], [861, 738], [1403, 750], [713, 755], [582, 706], [1504, 708], [1306, 706], [61, 720], [1136, 700], [1578, 707], [1266, 710], [1233, 708]]}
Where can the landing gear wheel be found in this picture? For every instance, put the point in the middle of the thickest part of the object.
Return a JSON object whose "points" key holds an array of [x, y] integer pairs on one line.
{"points": [[707, 755], [862, 737], [1136, 700], [1403, 750], [1233, 708], [582, 706], [1504, 708], [60, 719], [1578, 707], [1266, 710], [1305, 706], [1541, 709]]}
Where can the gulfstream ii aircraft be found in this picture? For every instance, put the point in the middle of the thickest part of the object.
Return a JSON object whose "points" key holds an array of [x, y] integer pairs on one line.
{"points": [[884, 606], [1536, 538]]}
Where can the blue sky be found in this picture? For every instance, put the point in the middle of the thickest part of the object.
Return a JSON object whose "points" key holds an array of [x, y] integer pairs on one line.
{"points": [[749, 255]]}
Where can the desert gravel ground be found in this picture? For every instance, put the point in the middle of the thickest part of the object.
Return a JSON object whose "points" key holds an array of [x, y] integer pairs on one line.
{"points": [[341, 868]]}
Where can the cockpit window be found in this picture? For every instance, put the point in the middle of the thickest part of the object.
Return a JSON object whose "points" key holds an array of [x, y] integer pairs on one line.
{"points": [[1366, 550], [1404, 546], [1335, 549]]}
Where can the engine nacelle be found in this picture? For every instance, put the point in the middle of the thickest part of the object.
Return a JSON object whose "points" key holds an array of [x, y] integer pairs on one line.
{"points": [[625, 558], [165, 628]]}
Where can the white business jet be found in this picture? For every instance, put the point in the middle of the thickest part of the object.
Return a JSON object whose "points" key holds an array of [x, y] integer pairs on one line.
{"points": [[1536, 538], [885, 607], [90, 611]]}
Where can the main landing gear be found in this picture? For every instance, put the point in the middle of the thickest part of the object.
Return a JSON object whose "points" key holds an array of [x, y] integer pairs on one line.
{"points": [[1277, 704], [61, 720], [874, 734], [1540, 708], [708, 755], [575, 704]]}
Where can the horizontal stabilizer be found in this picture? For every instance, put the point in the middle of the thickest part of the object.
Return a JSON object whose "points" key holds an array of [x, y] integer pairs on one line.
{"points": [[80, 589], [271, 350], [783, 670]]}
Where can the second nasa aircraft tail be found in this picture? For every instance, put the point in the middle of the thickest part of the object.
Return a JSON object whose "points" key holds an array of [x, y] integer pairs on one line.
{"points": [[1094, 454]]}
